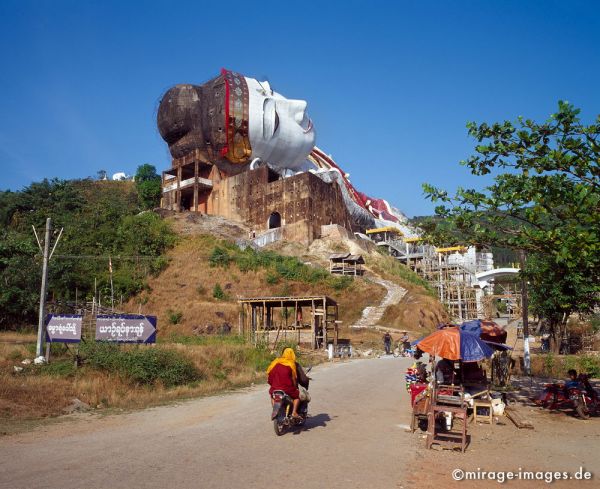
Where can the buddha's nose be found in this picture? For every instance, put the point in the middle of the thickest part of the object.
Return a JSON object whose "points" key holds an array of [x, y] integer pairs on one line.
{"points": [[299, 107]]}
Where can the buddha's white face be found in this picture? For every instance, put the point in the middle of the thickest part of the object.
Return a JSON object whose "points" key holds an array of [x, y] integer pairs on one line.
{"points": [[280, 131]]}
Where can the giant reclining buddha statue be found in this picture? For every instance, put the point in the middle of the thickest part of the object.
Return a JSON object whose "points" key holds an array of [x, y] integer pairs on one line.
{"points": [[240, 123]]}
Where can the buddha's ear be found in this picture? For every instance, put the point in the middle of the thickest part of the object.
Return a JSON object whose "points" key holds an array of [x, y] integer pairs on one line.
{"points": [[267, 86]]}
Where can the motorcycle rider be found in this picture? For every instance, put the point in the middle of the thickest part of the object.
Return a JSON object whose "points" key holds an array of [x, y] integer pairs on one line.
{"points": [[285, 374]]}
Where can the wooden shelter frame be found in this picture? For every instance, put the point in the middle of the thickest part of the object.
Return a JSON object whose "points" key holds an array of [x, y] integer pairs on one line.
{"points": [[346, 264], [260, 323]]}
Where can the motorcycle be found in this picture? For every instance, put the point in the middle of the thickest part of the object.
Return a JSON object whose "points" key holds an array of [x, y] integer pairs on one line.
{"points": [[585, 399], [403, 350], [281, 415], [582, 398]]}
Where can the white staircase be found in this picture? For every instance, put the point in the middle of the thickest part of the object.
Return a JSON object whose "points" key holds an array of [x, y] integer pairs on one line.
{"points": [[371, 315]]}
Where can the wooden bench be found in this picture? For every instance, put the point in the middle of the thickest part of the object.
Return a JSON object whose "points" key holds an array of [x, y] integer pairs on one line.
{"points": [[447, 399], [446, 438]]}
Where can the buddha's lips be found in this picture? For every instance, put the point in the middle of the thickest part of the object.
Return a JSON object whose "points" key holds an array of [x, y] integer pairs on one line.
{"points": [[310, 126]]}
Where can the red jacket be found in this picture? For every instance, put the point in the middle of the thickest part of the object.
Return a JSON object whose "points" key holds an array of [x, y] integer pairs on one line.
{"points": [[281, 379]]}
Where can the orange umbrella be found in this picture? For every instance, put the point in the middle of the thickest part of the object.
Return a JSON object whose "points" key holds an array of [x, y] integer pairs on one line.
{"points": [[455, 344], [444, 343]]}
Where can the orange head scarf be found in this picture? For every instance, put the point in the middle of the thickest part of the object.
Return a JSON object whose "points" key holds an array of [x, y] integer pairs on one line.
{"points": [[287, 358]]}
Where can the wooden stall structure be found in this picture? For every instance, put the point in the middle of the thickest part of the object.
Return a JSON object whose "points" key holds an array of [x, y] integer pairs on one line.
{"points": [[346, 264], [309, 321]]}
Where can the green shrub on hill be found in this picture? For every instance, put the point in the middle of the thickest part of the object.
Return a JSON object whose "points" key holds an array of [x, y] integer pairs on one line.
{"points": [[278, 266], [394, 267], [218, 293]]}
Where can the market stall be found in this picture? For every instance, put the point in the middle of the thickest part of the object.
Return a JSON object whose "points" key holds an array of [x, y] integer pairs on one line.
{"points": [[456, 386]]}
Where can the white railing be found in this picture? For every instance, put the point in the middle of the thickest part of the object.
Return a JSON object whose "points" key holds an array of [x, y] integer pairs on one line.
{"points": [[270, 236], [187, 182]]}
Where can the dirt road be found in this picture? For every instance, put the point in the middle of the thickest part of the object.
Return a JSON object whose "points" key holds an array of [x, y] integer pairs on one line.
{"points": [[355, 439]]}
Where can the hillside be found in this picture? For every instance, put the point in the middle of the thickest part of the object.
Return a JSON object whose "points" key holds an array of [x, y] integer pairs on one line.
{"points": [[183, 295], [187, 270]]}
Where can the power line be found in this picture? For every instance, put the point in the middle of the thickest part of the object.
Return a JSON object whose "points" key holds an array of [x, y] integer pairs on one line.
{"points": [[106, 257]]}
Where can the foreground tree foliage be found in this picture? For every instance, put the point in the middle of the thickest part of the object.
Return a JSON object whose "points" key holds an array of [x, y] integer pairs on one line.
{"points": [[101, 219], [545, 201]]}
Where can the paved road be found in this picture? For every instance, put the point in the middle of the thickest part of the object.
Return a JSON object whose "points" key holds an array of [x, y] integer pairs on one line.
{"points": [[354, 439]]}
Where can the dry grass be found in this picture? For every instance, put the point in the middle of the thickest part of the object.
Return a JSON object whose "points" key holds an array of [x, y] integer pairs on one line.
{"points": [[17, 337], [33, 396], [186, 287], [13, 353], [46, 391]]}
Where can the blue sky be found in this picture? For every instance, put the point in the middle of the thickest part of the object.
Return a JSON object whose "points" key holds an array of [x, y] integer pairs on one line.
{"points": [[390, 85]]}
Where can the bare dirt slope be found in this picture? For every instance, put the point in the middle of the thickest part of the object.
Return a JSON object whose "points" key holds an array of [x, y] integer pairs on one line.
{"points": [[559, 442], [414, 309], [185, 288]]}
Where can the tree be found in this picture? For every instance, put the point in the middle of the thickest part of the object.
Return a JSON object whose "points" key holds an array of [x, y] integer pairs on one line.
{"points": [[148, 184], [146, 172], [19, 289], [100, 219], [545, 201]]}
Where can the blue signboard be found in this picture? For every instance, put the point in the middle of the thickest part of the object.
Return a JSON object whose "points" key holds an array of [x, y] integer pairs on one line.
{"points": [[126, 328], [63, 328]]}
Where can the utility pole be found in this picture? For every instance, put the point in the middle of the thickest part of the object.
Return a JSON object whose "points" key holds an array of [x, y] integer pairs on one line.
{"points": [[40, 334], [47, 256]]}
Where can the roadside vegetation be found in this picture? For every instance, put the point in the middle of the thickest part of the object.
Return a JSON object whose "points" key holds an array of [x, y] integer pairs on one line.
{"points": [[543, 204], [126, 376], [557, 366]]}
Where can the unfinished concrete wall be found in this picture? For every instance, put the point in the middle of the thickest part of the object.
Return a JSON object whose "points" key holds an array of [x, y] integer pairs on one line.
{"points": [[255, 196], [300, 204]]}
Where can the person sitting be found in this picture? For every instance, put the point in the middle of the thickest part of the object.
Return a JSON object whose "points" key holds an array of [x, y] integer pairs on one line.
{"points": [[283, 376], [573, 379], [571, 383], [473, 373], [444, 372]]}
